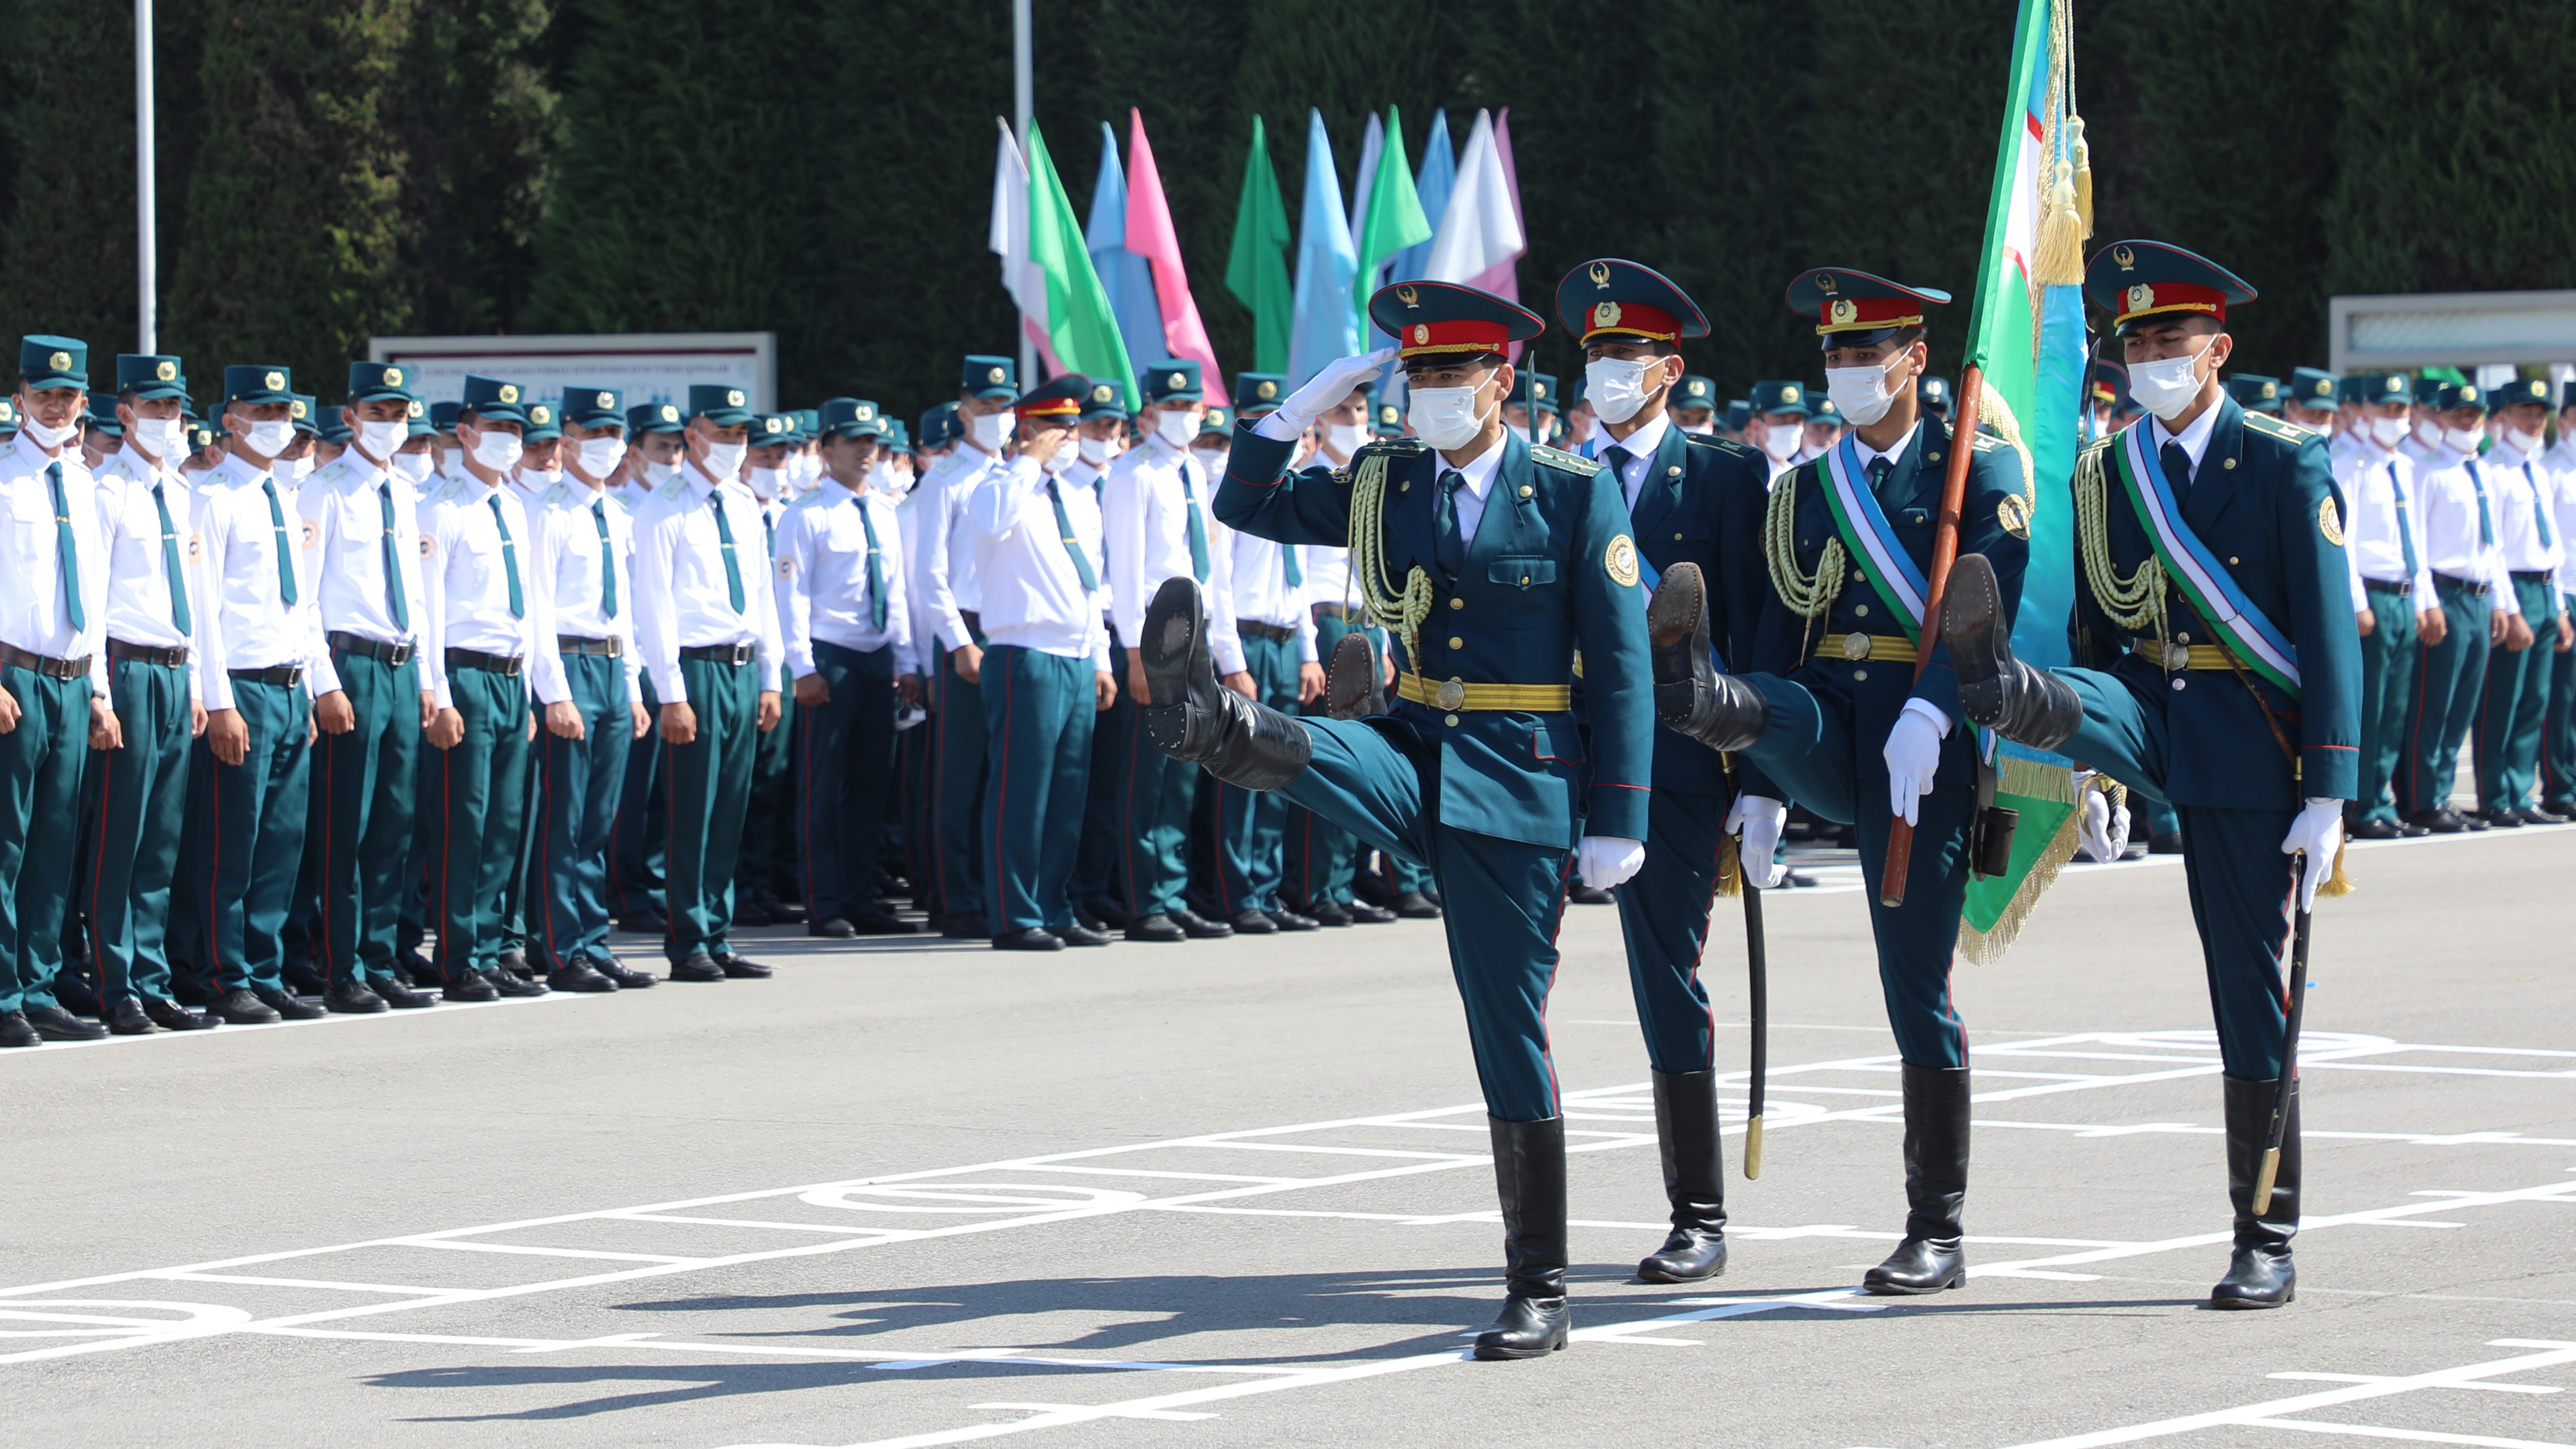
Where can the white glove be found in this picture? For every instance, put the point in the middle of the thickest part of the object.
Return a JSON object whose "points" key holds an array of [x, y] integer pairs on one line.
{"points": [[1323, 392], [2317, 831], [2103, 832], [1913, 754], [1760, 819], [1605, 860]]}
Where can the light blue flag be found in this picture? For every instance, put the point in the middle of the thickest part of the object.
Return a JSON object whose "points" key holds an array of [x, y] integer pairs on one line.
{"points": [[1125, 276], [1327, 265], [1433, 182], [1372, 143]]}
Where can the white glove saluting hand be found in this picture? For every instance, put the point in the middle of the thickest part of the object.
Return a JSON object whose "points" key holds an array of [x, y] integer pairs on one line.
{"points": [[1326, 390], [1760, 819], [2318, 832], [1605, 861]]}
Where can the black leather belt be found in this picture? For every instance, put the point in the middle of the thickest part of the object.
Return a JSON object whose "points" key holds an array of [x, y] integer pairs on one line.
{"points": [[1255, 629], [284, 676], [51, 668], [1328, 611], [2532, 576], [504, 664], [576, 644], [2473, 590], [2401, 588], [146, 654], [376, 649], [733, 654]]}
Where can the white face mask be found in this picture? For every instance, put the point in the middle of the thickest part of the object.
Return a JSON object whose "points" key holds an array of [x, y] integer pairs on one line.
{"points": [[724, 460], [1781, 440], [290, 471], [2429, 433], [266, 439], [1861, 394], [1095, 451], [1346, 438], [55, 437], [1616, 388], [1175, 426], [411, 467], [657, 474], [159, 439], [2464, 440], [599, 455], [497, 450], [899, 479], [989, 431], [764, 482], [379, 440], [1212, 459], [2527, 444], [1700, 430], [2167, 387], [1057, 461], [1445, 417], [2388, 432]]}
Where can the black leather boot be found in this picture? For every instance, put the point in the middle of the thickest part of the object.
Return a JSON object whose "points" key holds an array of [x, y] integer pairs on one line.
{"points": [[1694, 1179], [2259, 1273], [2025, 705], [1691, 697], [1936, 1184], [1529, 1176], [1355, 686], [1240, 741]]}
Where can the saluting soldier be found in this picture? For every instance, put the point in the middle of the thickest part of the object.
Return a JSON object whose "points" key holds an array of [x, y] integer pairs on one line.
{"points": [[2460, 503], [1837, 719], [2393, 598], [1697, 501], [2217, 667], [707, 627], [1497, 562]]}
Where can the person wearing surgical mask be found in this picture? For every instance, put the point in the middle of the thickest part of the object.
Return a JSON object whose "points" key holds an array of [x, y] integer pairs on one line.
{"points": [[655, 449], [296, 464], [1099, 437], [1778, 429], [2524, 490], [2463, 503], [2394, 601], [1831, 707], [2558, 723], [765, 885], [1500, 561], [656, 452], [1825, 426], [2251, 668], [1532, 409]]}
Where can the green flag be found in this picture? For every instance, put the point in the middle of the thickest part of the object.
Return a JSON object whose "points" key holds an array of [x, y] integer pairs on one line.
{"points": [[1081, 326], [1256, 268], [1394, 221]]}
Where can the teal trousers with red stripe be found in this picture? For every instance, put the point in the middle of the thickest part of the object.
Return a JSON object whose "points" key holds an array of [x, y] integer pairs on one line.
{"points": [[359, 834], [135, 799], [710, 788], [244, 843], [482, 803], [40, 783], [579, 785], [1039, 712]]}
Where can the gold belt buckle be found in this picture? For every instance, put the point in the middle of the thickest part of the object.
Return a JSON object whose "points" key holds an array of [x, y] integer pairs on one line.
{"points": [[2177, 656], [1451, 694], [1855, 646]]}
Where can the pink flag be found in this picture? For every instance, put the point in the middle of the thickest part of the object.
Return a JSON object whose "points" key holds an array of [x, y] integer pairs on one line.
{"points": [[1150, 235], [1503, 279]]}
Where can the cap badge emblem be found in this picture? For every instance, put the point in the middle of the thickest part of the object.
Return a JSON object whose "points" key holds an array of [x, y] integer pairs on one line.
{"points": [[2141, 297], [393, 377], [1789, 393], [1844, 311], [1408, 296], [1421, 333], [295, 409], [1826, 284], [1606, 314], [733, 397], [608, 399], [509, 392], [1600, 273], [274, 382], [993, 375], [670, 413], [60, 362], [1267, 389], [166, 370], [2123, 255], [415, 410]]}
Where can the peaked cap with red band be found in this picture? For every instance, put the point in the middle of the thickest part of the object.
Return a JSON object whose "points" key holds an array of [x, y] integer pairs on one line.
{"points": [[1434, 319], [1059, 397], [1611, 300], [1856, 309], [2137, 279]]}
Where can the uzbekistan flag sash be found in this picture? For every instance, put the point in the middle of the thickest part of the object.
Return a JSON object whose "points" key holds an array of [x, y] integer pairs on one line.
{"points": [[1866, 532], [2190, 564]]}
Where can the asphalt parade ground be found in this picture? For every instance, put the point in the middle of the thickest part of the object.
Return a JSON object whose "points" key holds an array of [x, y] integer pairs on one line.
{"points": [[1236, 1194]]}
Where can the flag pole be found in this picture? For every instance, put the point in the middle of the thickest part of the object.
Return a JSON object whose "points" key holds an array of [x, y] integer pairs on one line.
{"points": [[1945, 552], [1023, 90], [147, 312]]}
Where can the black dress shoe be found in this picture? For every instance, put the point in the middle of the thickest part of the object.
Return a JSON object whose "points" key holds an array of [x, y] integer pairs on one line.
{"points": [[510, 983], [303, 980], [1355, 683], [1200, 928], [243, 1008], [1365, 914], [1328, 913], [171, 1016], [2375, 828], [469, 987], [287, 1004], [399, 995], [2413, 830], [516, 963], [881, 922], [966, 927], [414, 969], [126, 1018], [1156, 927], [1083, 917], [1691, 697], [2533, 815], [1079, 934], [1028, 938], [1415, 906], [1193, 717], [1288, 920], [789, 913], [2502, 819], [351, 998], [1371, 888], [626, 978], [699, 967], [15, 1030], [55, 1024], [744, 969], [836, 929], [1581, 893], [1253, 923], [578, 977], [645, 923]]}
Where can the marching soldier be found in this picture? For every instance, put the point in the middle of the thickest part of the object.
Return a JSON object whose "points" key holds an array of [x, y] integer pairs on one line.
{"points": [[708, 631], [1510, 558], [1838, 720], [2457, 494], [1695, 501], [2393, 596], [2524, 493], [2218, 668]]}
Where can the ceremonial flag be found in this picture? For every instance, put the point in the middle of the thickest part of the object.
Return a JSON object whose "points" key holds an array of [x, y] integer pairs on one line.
{"points": [[1431, 187], [1394, 219], [1480, 230], [1150, 235], [2026, 338], [1125, 276], [1008, 239], [1256, 267], [1073, 315], [1326, 328], [1503, 278], [1372, 142]]}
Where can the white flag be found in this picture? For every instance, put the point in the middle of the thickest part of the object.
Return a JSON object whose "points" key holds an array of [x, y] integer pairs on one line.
{"points": [[1480, 229]]}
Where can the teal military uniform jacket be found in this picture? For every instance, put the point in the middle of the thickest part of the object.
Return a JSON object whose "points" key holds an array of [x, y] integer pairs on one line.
{"points": [[1552, 570], [2265, 503], [1993, 520], [1701, 502]]}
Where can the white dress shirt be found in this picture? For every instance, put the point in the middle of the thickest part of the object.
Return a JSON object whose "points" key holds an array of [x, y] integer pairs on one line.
{"points": [[2446, 510], [1033, 596], [2194, 438], [467, 581], [257, 628], [682, 599], [583, 542], [1257, 582], [1479, 473], [2377, 483], [2526, 493], [33, 612], [822, 578], [1145, 504], [345, 504], [1640, 447], [138, 584], [2562, 460], [947, 584]]}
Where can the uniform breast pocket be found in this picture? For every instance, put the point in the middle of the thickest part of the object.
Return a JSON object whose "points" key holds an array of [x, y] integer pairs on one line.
{"points": [[1556, 741], [1521, 573], [361, 520], [28, 508]]}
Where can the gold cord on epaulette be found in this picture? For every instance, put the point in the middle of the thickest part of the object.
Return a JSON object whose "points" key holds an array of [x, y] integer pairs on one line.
{"points": [[1807, 595], [1403, 611], [2135, 603]]}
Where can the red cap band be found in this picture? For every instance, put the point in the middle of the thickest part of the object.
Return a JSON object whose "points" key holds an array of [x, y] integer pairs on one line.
{"points": [[1424, 338], [1868, 314], [1632, 319], [2145, 299]]}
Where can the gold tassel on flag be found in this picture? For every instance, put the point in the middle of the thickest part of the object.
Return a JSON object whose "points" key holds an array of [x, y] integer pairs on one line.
{"points": [[2060, 262], [2083, 176]]}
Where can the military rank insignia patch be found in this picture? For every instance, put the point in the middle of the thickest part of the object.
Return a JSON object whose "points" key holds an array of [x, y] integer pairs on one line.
{"points": [[2329, 522], [787, 568], [2014, 514], [1621, 561]]}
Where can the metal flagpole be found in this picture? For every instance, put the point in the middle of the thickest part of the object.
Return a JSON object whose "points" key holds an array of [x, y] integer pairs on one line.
{"points": [[147, 311], [1023, 87]]}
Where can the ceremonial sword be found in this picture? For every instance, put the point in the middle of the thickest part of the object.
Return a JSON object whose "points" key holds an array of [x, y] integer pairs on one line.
{"points": [[2280, 1125]]}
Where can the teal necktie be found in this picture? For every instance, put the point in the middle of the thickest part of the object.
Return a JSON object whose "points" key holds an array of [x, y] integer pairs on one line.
{"points": [[170, 566], [509, 558], [1288, 565], [607, 560], [66, 550], [2539, 506], [2486, 520], [876, 561], [285, 554], [2405, 534], [724, 543], [1198, 526], [394, 601], [1064, 526]]}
